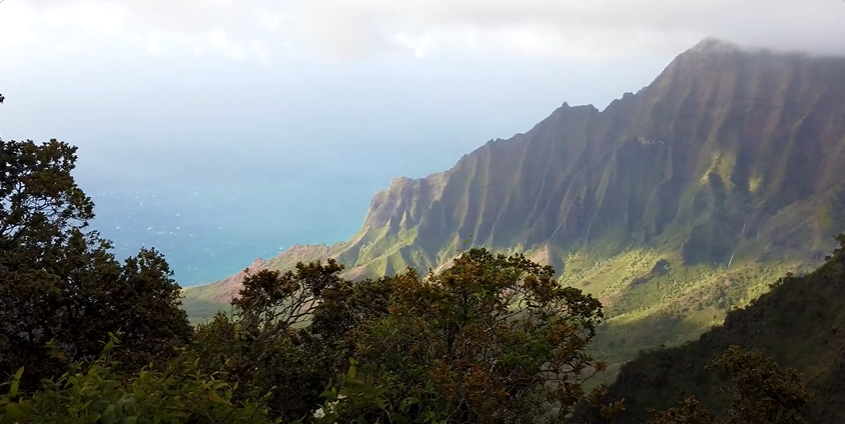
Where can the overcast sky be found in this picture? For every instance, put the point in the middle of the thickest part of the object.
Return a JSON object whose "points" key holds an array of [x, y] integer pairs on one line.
{"points": [[486, 67], [264, 29]]}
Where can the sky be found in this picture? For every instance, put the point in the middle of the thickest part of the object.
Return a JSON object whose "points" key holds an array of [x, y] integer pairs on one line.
{"points": [[238, 101]]}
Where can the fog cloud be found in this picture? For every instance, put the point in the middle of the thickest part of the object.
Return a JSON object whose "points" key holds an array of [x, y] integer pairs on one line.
{"points": [[570, 29]]}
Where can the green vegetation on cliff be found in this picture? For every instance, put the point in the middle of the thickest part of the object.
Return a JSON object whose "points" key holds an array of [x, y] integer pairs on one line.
{"points": [[673, 205], [799, 323]]}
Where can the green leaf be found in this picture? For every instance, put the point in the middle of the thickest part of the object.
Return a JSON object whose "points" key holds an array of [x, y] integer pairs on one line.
{"points": [[13, 411], [13, 389], [93, 418], [109, 415]]}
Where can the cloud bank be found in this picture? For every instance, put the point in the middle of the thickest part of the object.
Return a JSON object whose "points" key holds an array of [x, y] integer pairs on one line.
{"points": [[568, 29]]}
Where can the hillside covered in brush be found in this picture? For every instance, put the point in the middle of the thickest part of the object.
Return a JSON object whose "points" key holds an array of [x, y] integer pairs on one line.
{"points": [[673, 205], [800, 324]]}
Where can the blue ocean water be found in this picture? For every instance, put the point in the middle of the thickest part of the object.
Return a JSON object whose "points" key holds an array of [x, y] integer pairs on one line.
{"points": [[214, 213], [207, 235]]}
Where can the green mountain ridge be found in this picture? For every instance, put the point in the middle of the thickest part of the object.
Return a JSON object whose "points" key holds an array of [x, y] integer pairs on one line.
{"points": [[673, 205]]}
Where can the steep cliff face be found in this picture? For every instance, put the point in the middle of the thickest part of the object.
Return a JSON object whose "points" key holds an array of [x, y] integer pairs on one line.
{"points": [[708, 157], [726, 170]]}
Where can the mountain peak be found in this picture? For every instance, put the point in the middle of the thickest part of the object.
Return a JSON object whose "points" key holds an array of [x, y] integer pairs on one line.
{"points": [[713, 44]]}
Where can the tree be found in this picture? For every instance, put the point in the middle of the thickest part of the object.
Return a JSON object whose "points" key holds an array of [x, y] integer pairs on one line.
{"points": [[291, 331], [762, 392], [92, 392], [688, 411], [60, 283], [492, 339], [291, 364], [273, 311], [276, 302], [838, 251]]}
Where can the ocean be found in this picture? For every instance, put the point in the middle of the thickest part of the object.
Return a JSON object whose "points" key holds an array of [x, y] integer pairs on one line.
{"points": [[206, 235], [213, 214]]}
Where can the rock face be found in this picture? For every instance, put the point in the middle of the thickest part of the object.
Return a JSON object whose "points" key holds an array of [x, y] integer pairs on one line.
{"points": [[730, 162]]}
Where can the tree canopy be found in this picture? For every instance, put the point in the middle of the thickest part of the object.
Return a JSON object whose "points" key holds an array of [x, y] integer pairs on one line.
{"points": [[61, 284]]}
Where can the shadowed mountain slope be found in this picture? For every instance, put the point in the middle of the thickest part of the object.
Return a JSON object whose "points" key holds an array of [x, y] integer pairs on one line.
{"points": [[800, 323]]}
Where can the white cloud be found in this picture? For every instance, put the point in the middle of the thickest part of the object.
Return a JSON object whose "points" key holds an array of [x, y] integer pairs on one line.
{"points": [[152, 46], [92, 17], [17, 22], [575, 29], [420, 45], [218, 40], [261, 50]]}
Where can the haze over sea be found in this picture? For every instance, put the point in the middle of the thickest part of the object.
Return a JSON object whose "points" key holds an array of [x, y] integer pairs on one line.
{"points": [[217, 162], [214, 214]]}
